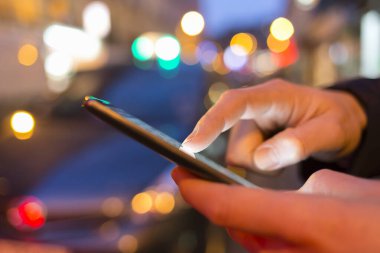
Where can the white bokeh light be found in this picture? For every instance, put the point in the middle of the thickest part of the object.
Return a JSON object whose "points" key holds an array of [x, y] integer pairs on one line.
{"points": [[167, 48], [264, 64], [235, 61], [58, 65], [192, 23], [307, 4], [72, 41], [97, 19], [22, 122]]}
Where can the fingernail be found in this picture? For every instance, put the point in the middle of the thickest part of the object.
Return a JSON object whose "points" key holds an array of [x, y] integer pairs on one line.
{"points": [[188, 139], [266, 159], [191, 136]]}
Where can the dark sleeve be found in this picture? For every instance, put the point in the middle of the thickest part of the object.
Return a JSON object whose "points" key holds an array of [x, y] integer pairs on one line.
{"points": [[365, 161]]}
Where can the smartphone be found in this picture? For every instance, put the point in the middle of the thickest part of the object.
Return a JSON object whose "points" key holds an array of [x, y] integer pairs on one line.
{"points": [[161, 143]]}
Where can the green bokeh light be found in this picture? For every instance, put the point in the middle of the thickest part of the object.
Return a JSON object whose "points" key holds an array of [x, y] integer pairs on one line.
{"points": [[142, 48], [169, 65]]}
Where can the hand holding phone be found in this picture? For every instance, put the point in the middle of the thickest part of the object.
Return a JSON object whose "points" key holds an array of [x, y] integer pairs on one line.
{"points": [[161, 143]]}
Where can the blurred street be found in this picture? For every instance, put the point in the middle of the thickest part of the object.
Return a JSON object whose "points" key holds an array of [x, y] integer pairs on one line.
{"points": [[71, 183]]}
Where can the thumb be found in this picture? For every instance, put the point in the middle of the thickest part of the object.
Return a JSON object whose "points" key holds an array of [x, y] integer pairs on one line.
{"points": [[279, 151], [295, 144], [336, 184]]}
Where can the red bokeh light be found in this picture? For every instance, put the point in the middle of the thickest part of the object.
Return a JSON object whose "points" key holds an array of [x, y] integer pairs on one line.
{"points": [[30, 213], [289, 56]]}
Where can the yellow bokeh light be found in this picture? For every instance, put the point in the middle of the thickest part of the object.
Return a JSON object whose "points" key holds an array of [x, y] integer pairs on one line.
{"points": [[27, 11], [112, 207], [58, 9], [192, 23], [216, 90], [246, 41], [128, 244], [22, 122], [142, 203], [219, 66], [109, 230], [189, 54], [277, 46], [282, 29], [27, 55], [164, 202], [23, 136]]}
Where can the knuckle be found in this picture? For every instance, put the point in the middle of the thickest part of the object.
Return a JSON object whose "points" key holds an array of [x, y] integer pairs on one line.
{"points": [[315, 181], [321, 174], [276, 82], [337, 129], [230, 94]]}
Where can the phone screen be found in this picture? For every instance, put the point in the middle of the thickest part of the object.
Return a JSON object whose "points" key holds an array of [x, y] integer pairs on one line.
{"points": [[162, 143]]}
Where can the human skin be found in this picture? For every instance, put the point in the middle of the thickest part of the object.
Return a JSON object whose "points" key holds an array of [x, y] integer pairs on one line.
{"points": [[324, 124], [274, 125], [332, 212]]}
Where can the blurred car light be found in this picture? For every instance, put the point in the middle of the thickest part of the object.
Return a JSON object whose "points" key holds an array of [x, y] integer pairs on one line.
{"points": [[30, 213], [192, 23], [97, 19], [282, 29]]}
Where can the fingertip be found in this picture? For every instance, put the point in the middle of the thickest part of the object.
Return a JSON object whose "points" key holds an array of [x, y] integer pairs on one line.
{"points": [[266, 159], [192, 146], [282, 150], [179, 173]]}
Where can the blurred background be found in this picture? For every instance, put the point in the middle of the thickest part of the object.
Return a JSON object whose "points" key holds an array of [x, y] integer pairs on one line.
{"points": [[70, 183]]}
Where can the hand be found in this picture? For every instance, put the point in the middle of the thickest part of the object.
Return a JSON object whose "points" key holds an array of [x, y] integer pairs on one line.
{"points": [[323, 216], [321, 123]]}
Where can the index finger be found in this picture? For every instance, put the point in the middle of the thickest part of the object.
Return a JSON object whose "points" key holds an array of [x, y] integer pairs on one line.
{"points": [[224, 114], [293, 217], [244, 103], [230, 108]]}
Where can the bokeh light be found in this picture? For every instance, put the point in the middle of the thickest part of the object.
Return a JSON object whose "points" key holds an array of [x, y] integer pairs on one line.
{"points": [[22, 122], [58, 65], [30, 213], [218, 65], [192, 23], [109, 230], [282, 29], [277, 46], [128, 244], [189, 54], [339, 53], [307, 4], [112, 207], [169, 64], [207, 51], [97, 19], [142, 203], [59, 86], [216, 90], [58, 9], [27, 55], [235, 59], [244, 40], [77, 44], [289, 56], [167, 48], [143, 48], [27, 11], [264, 63], [164, 202]]}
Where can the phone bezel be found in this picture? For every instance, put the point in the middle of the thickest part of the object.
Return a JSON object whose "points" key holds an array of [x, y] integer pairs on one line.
{"points": [[106, 111]]}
